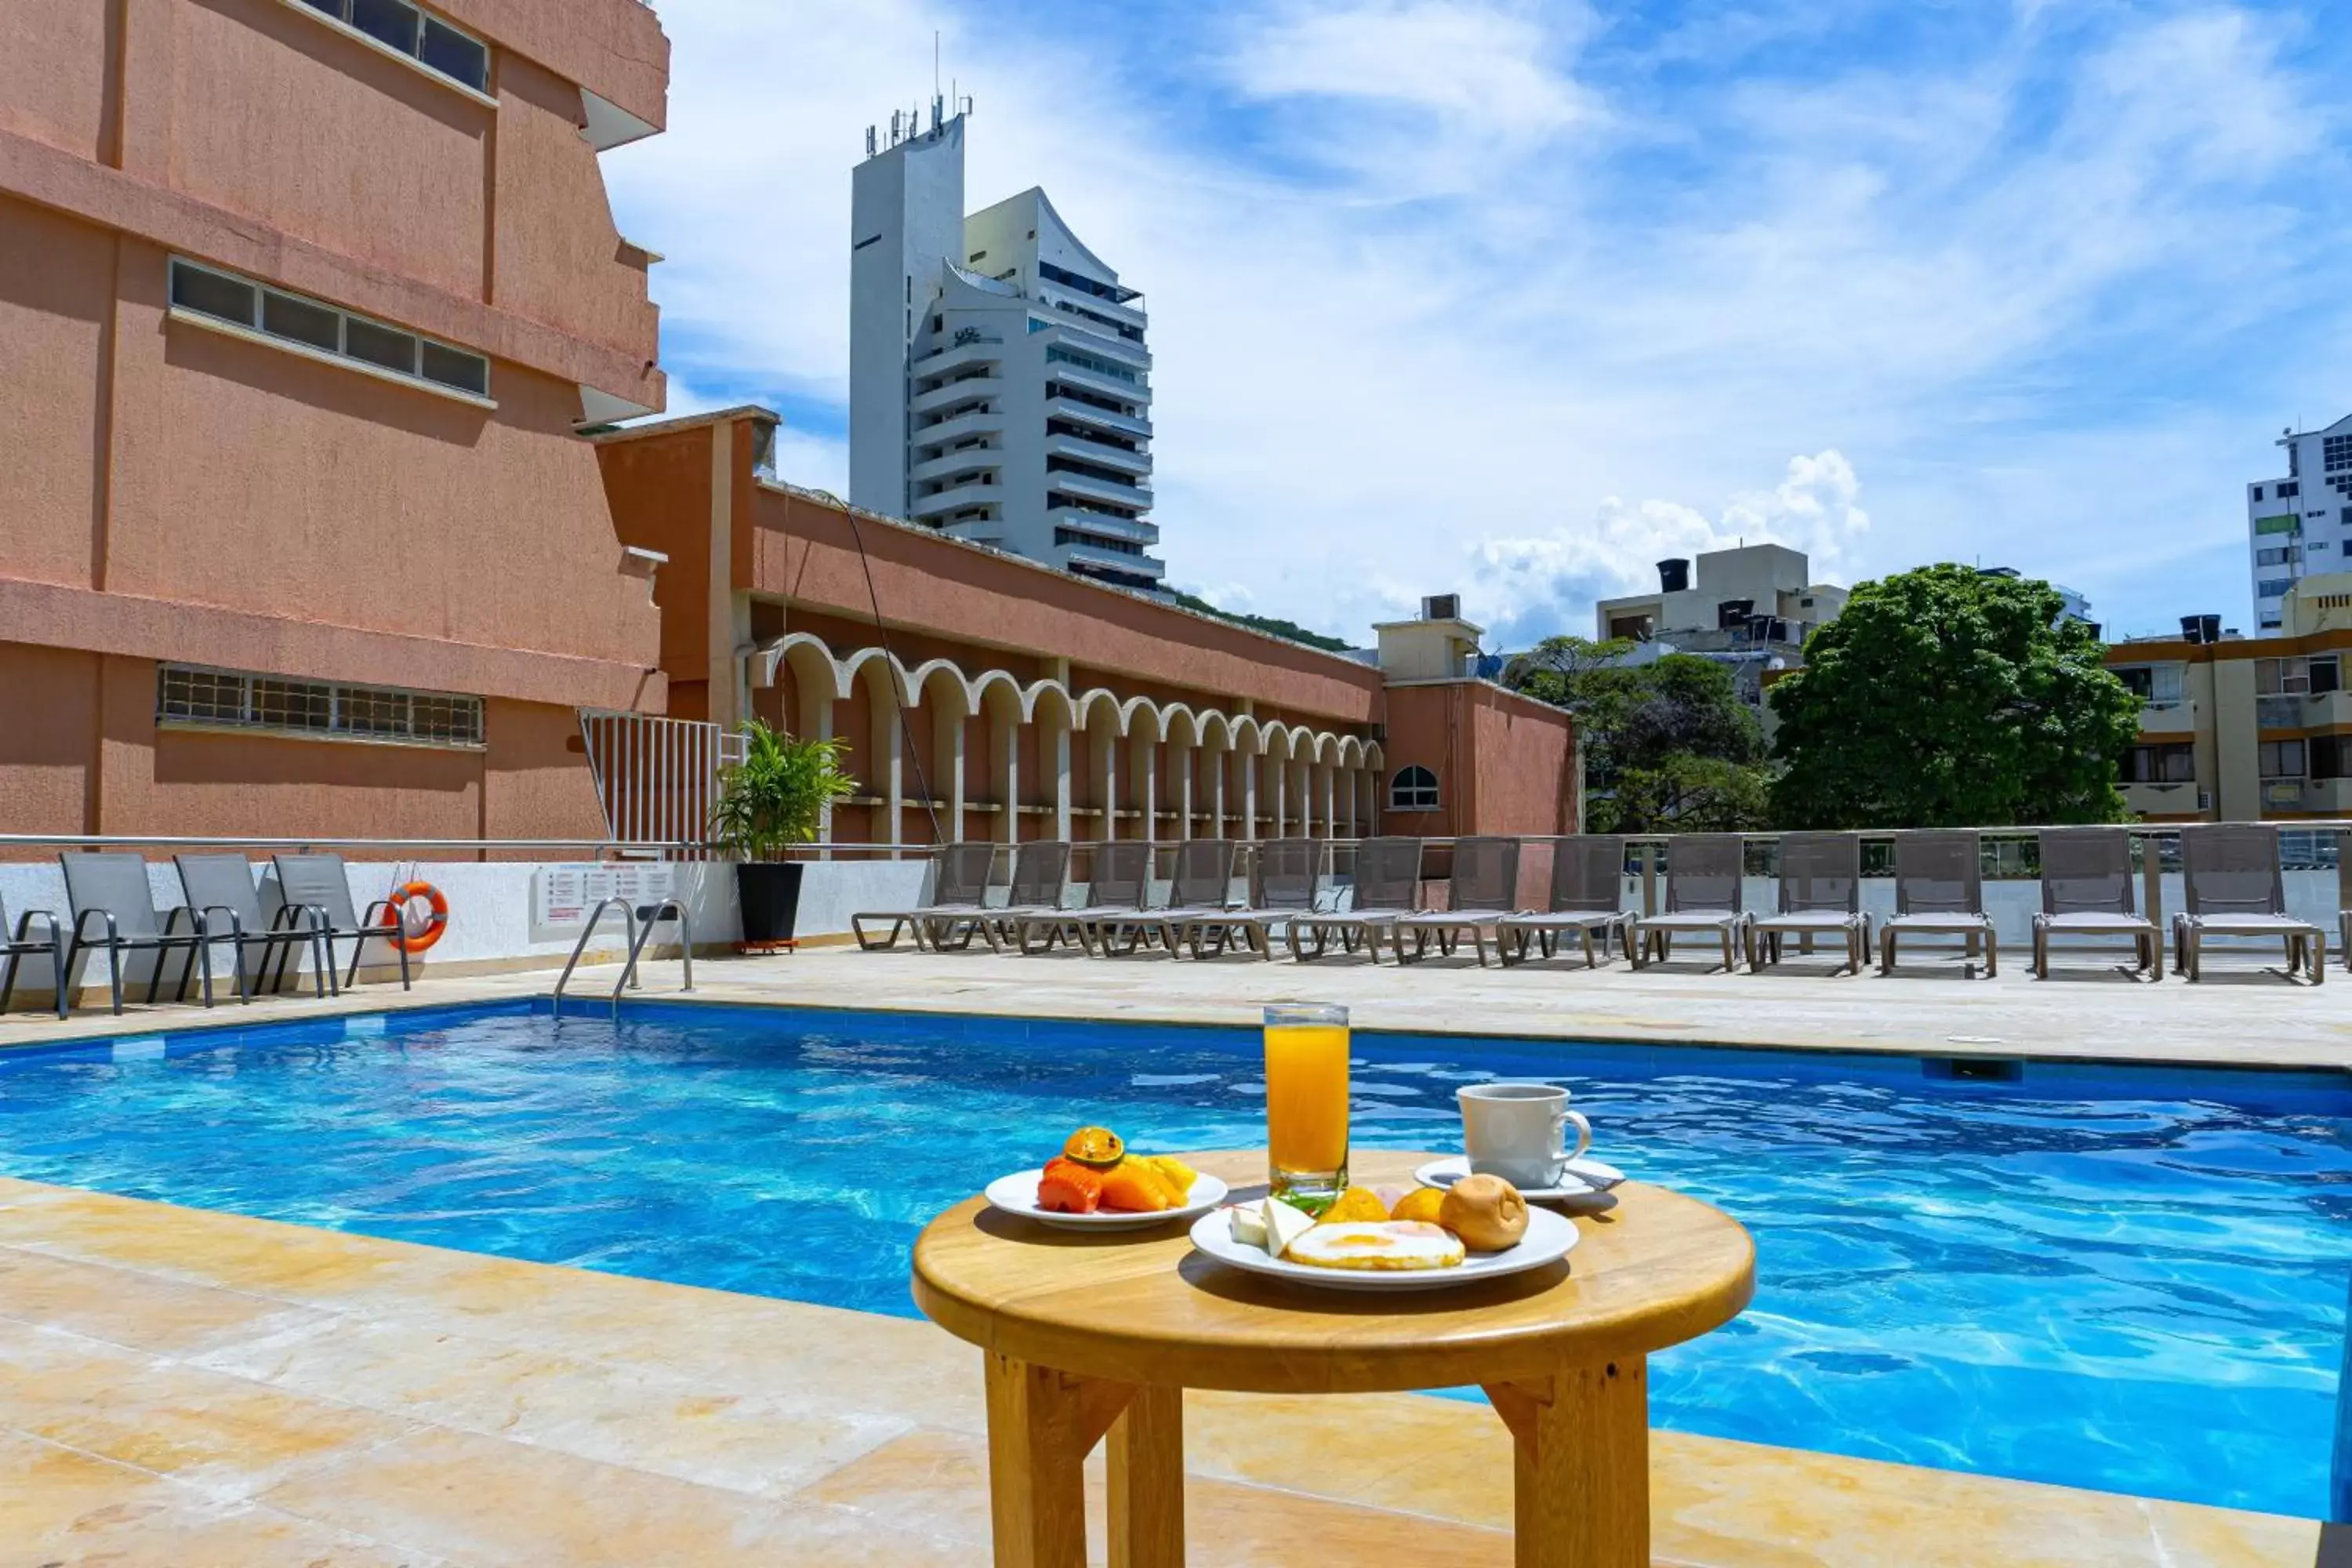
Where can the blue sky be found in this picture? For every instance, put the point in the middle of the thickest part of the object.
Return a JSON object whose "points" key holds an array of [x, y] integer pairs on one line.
{"points": [[1513, 299]]}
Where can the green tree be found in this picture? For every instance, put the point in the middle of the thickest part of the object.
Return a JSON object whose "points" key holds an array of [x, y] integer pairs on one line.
{"points": [[1668, 746], [1941, 696]]}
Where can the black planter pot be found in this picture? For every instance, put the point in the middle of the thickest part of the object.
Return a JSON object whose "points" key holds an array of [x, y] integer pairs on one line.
{"points": [[769, 893]]}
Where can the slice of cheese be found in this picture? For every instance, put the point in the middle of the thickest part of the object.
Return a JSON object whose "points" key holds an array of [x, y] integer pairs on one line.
{"points": [[1249, 1224], [1284, 1224]]}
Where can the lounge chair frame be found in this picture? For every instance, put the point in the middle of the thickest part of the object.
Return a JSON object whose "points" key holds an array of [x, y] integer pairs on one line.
{"points": [[1118, 886], [1041, 877], [1482, 893], [2086, 892], [1201, 892], [17, 944], [1387, 888], [1588, 895], [1819, 895], [1940, 892], [2235, 885], [318, 887], [1284, 875], [220, 888], [110, 888], [1705, 896], [958, 910]]}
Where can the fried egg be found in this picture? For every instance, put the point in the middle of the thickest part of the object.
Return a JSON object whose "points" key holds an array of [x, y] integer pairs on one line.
{"points": [[1395, 1244]]}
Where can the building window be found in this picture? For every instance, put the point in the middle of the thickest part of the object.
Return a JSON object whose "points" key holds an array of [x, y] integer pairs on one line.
{"points": [[2273, 587], [2281, 759], [2297, 677], [2336, 453], [2330, 755], [217, 698], [1414, 788], [325, 331], [2174, 762], [2157, 685], [1056, 354], [2278, 555], [2258, 492], [425, 38], [2289, 491]]}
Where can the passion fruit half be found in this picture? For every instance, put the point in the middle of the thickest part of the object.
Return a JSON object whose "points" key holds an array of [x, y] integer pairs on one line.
{"points": [[1097, 1146]]}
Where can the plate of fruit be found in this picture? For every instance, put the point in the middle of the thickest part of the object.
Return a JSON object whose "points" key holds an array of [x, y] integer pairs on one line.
{"points": [[1097, 1183], [1421, 1239]]}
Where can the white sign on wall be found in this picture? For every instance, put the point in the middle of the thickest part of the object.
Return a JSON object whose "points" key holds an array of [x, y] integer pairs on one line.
{"points": [[562, 895]]}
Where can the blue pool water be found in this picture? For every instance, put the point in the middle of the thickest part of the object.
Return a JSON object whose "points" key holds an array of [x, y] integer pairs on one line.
{"points": [[2126, 1278]]}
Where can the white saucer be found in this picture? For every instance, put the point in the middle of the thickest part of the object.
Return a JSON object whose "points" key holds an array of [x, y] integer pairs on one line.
{"points": [[1550, 1238], [1584, 1180], [1017, 1193]]}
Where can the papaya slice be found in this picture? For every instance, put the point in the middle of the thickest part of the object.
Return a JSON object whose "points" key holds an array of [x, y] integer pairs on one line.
{"points": [[1133, 1186], [1067, 1187]]}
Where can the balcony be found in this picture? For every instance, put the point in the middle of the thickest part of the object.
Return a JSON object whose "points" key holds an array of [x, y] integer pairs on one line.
{"points": [[1103, 525], [1112, 561], [957, 499], [972, 390], [1085, 451], [1093, 381], [947, 465], [2167, 721], [957, 427], [1087, 489], [2164, 799], [1079, 413], [955, 356], [1091, 337], [2327, 708], [1051, 291]]}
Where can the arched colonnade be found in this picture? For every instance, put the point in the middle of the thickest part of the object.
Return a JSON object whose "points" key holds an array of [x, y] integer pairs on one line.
{"points": [[1083, 764]]}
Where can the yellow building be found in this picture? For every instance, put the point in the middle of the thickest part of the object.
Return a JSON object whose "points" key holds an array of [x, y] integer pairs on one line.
{"points": [[2245, 729]]}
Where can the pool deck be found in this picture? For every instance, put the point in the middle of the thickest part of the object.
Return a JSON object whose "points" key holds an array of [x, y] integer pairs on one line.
{"points": [[2238, 1018], [189, 1388], [199, 1389]]}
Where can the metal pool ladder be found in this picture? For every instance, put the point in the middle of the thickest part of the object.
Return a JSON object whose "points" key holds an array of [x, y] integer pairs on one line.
{"points": [[638, 924]]}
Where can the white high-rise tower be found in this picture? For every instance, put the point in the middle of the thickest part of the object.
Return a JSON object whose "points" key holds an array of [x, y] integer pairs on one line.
{"points": [[999, 386], [2300, 524]]}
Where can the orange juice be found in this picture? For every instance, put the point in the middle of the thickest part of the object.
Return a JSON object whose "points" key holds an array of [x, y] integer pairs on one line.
{"points": [[1307, 1098]]}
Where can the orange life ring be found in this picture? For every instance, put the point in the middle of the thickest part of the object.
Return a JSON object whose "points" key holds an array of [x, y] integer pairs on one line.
{"points": [[434, 926]]}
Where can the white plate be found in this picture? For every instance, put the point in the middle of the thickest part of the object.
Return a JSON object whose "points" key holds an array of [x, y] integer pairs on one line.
{"points": [[1017, 1193], [1550, 1238], [1585, 1180]]}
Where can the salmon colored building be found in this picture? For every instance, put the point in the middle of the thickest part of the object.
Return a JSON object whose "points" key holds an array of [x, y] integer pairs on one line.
{"points": [[308, 308], [300, 305], [986, 696]]}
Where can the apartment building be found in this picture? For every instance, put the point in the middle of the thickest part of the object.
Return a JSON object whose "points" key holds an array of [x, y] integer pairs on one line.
{"points": [[301, 304], [2245, 729], [1000, 385], [2300, 524], [1750, 610]]}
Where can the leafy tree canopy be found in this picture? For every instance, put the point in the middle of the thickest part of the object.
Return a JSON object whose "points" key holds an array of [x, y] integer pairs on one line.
{"points": [[1941, 696], [1668, 746]]}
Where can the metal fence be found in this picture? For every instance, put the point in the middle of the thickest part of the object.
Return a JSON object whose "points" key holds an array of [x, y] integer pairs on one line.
{"points": [[657, 779]]}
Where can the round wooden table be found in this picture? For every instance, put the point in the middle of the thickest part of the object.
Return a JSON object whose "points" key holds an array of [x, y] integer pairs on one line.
{"points": [[1090, 1336]]}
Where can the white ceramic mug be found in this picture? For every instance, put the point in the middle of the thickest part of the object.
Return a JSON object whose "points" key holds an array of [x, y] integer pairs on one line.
{"points": [[1519, 1132]]}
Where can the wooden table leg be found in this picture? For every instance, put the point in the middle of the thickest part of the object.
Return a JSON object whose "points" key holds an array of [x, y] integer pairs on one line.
{"points": [[1041, 1424], [1582, 1497], [1147, 1480]]}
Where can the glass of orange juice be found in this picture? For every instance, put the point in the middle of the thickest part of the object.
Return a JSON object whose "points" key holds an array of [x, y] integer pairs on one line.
{"points": [[1306, 1101]]}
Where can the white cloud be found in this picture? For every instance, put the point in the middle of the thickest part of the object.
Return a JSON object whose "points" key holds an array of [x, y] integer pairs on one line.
{"points": [[1529, 586], [2028, 290]]}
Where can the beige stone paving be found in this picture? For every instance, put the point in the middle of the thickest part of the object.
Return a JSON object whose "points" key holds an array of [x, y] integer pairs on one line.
{"points": [[2246, 1016], [195, 1389]]}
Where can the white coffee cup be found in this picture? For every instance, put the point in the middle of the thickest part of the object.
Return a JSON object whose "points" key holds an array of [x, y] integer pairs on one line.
{"points": [[1519, 1132]]}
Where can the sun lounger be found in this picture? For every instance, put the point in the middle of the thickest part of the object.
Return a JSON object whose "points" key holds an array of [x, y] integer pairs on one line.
{"points": [[1387, 886], [2234, 885], [318, 887], [114, 908], [2086, 890], [1041, 874], [1588, 895], [1821, 895], [1940, 892], [17, 944], [220, 888], [1283, 874], [1119, 881], [1202, 890], [957, 909], [1703, 899], [1483, 891]]}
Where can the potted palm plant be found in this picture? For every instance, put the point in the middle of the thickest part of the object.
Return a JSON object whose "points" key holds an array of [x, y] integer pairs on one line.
{"points": [[774, 798]]}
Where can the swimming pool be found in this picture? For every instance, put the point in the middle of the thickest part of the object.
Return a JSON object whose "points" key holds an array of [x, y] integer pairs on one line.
{"points": [[2131, 1278]]}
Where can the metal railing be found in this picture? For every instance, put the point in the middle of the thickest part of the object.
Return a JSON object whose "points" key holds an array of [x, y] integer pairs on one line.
{"points": [[655, 778], [638, 924]]}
